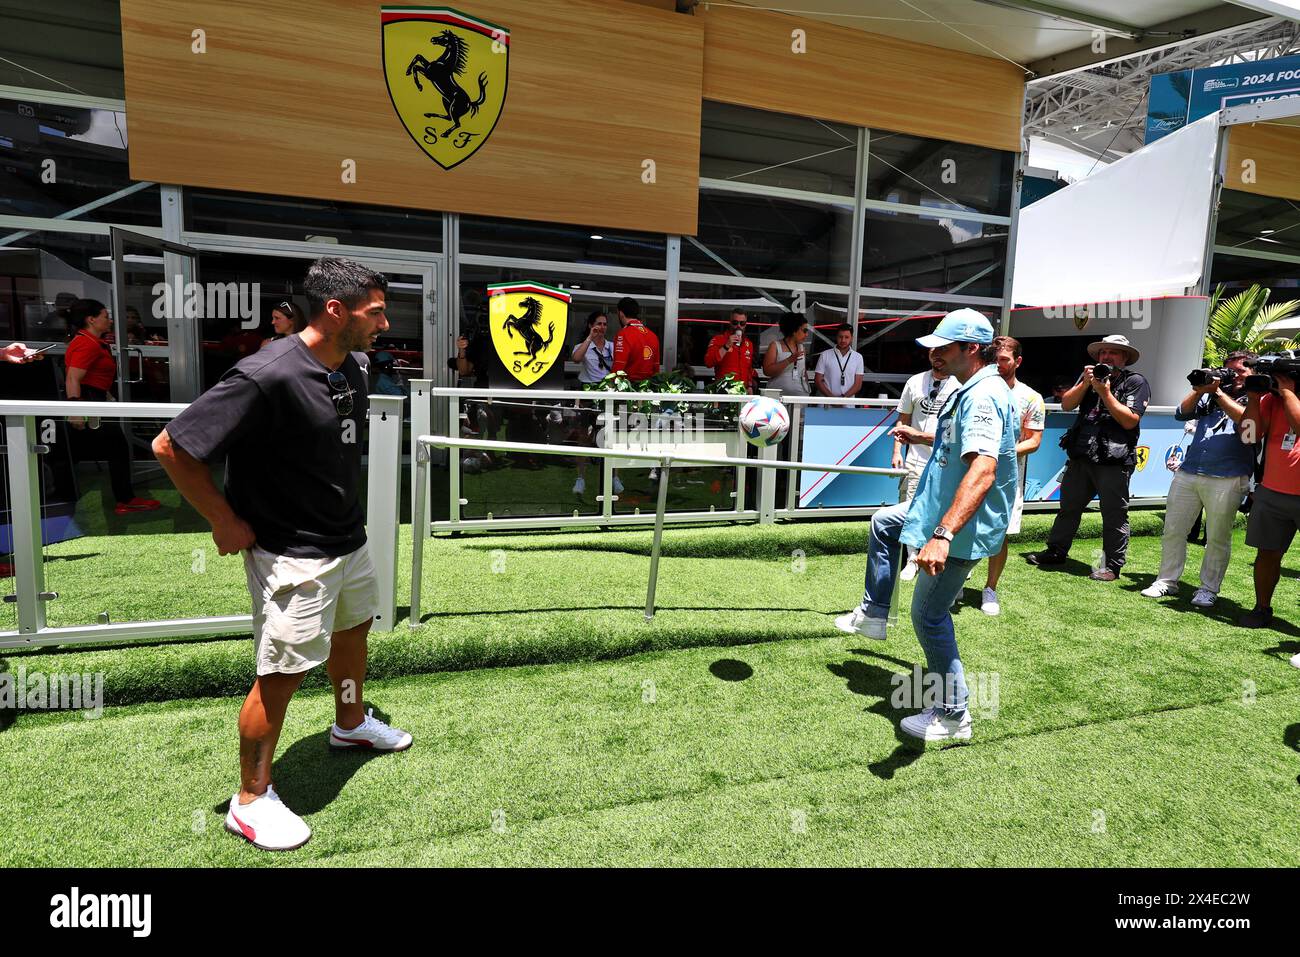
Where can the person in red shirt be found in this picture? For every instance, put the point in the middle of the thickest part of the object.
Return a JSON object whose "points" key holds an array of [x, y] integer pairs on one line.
{"points": [[636, 348], [91, 371], [732, 352], [1274, 420]]}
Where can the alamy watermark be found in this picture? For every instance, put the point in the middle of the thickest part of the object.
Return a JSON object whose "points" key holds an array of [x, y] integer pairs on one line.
{"points": [[36, 691], [1136, 312], [209, 300], [929, 690], [656, 428]]}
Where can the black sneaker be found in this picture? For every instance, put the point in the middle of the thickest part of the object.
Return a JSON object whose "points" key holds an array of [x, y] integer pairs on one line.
{"points": [[1256, 618], [1047, 557]]}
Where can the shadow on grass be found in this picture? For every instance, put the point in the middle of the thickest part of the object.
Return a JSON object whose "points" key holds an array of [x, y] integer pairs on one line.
{"points": [[1291, 738], [730, 669], [310, 774], [873, 681]]}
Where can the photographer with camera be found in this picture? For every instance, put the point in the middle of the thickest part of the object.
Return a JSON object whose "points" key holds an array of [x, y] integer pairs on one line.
{"points": [[1214, 475], [1102, 451], [1272, 418]]}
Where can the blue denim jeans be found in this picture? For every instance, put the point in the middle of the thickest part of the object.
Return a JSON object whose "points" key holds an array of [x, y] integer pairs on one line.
{"points": [[932, 601]]}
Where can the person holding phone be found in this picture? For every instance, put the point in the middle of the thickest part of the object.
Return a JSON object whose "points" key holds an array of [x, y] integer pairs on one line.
{"points": [[18, 353], [91, 370], [732, 353]]}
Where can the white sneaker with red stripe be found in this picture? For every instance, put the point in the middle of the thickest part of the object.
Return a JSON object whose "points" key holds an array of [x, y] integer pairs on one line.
{"points": [[267, 823], [372, 734]]}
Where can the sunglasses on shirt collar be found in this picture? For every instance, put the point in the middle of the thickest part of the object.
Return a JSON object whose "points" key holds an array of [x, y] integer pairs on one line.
{"points": [[341, 393]]}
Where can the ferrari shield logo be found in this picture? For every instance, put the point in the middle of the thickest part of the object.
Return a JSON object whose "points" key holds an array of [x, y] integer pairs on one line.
{"points": [[528, 321], [1081, 317], [446, 74], [1143, 454]]}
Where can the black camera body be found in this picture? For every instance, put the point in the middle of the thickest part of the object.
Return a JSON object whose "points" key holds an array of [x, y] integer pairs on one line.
{"points": [[1200, 377], [1265, 367], [1102, 370]]}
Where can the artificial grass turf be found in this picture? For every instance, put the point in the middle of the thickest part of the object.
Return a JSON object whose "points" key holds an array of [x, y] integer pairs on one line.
{"points": [[779, 753]]}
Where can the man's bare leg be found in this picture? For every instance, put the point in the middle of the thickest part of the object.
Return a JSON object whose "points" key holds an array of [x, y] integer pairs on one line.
{"points": [[260, 721], [996, 564], [347, 671]]}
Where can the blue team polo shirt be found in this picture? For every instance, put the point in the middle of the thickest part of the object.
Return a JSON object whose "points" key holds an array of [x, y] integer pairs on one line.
{"points": [[980, 417], [1216, 449]]}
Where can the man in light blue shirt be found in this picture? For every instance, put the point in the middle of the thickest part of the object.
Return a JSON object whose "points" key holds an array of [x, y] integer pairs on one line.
{"points": [[959, 515]]}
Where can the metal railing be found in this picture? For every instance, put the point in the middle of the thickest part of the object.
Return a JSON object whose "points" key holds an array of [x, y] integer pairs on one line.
{"points": [[22, 451], [664, 462]]}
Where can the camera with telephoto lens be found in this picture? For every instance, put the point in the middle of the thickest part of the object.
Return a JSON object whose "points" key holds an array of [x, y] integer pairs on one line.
{"points": [[1200, 377], [1102, 370], [1265, 367]]}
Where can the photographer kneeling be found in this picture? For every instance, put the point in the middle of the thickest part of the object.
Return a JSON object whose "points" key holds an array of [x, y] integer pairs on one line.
{"points": [[1102, 450], [1214, 475], [1273, 418]]}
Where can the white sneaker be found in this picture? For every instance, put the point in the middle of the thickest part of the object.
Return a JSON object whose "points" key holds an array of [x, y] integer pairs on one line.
{"points": [[932, 725], [856, 622], [1159, 589], [990, 604], [580, 486], [909, 571], [267, 823], [370, 733], [618, 486], [1204, 598], [1295, 660]]}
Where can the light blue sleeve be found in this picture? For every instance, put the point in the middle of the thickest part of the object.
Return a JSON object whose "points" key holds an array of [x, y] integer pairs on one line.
{"points": [[982, 422]]}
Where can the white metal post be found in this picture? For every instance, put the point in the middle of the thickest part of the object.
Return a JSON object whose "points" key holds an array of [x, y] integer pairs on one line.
{"points": [[665, 464], [418, 492], [25, 512], [421, 424], [767, 477], [383, 490]]}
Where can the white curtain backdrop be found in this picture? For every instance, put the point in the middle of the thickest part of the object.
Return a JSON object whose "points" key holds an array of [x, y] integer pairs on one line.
{"points": [[1132, 230]]}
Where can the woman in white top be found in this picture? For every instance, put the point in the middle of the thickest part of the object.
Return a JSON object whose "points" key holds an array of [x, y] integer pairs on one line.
{"points": [[784, 363], [596, 353]]}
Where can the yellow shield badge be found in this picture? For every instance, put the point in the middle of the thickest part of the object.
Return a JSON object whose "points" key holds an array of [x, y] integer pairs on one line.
{"points": [[529, 321], [446, 74], [1143, 454]]}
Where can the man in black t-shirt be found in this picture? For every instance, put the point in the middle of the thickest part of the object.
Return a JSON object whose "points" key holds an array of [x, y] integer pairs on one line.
{"points": [[287, 422], [1102, 450]]}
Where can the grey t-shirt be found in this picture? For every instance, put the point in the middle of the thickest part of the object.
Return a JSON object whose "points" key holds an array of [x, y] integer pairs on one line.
{"points": [[293, 462]]}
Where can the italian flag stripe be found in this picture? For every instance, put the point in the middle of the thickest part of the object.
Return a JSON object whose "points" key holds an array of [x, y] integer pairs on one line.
{"points": [[445, 15], [500, 289]]}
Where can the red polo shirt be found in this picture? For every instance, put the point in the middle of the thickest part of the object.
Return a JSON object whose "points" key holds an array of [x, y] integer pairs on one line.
{"points": [[636, 351], [738, 361], [85, 351]]}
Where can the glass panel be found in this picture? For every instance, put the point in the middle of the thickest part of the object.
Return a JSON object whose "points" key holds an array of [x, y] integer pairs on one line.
{"points": [[41, 274], [1259, 223], [925, 172], [769, 238], [580, 245], [755, 146], [275, 279], [50, 47], [144, 327], [310, 220], [887, 334], [54, 159], [1240, 272], [920, 254]]}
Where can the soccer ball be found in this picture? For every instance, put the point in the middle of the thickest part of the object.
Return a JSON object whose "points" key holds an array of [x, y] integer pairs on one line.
{"points": [[763, 421]]}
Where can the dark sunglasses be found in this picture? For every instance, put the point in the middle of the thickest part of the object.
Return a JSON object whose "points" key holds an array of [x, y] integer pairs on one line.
{"points": [[340, 392]]}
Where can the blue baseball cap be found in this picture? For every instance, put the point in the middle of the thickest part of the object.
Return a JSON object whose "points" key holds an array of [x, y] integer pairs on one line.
{"points": [[961, 325]]}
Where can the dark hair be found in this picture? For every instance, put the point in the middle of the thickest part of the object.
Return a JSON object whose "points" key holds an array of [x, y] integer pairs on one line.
{"points": [[843, 327], [1006, 342], [737, 311], [594, 315], [80, 311], [290, 309], [1244, 354], [343, 279], [629, 307], [792, 322]]}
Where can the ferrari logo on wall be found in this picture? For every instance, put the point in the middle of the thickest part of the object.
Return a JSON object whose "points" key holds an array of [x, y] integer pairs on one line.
{"points": [[1143, 454], [528, 321], [446, 74]]}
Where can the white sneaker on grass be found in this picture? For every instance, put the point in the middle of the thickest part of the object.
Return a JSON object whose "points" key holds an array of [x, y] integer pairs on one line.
{"points": [[1204, 598], [909, 570], [1159, 589], [989, 603], [856, 622], [933, 725], [372, 734], [1295, 660], [580, 486], [267, 823]]}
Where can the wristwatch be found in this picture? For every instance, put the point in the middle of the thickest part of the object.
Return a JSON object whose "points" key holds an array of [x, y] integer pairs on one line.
{"points": [[941, 532]]}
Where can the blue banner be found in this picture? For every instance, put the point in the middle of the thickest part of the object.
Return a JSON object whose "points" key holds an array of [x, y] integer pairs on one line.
{"points": [[1177, 99], [860, 436]]}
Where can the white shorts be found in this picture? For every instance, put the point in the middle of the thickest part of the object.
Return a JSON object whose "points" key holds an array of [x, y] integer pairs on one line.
{"points": [[298, 603], [1017, 511]]}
